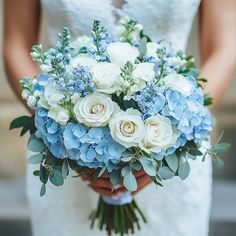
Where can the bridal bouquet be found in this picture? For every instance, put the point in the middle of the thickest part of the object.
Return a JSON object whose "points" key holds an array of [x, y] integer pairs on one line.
{"points": [[115, 104]]}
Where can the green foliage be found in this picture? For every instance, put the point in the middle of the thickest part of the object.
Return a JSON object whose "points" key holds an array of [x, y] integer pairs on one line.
{"points": [[36, 159], [24, 122], [142, 47], [172, 162], [184, 168], [56, 177], [142, 36], [115, 177], [43, 190], [148, 166], [130, 181], [35, 144], [166, 173], [208, 100]]}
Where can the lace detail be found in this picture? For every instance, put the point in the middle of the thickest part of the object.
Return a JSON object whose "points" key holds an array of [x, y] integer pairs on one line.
{"points": [[181, 208]]}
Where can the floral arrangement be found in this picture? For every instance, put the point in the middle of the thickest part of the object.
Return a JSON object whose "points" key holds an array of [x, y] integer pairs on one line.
{"points": [[115, 103]]}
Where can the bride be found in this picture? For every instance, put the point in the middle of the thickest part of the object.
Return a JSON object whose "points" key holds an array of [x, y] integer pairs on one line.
{"points": [[181, 208]]}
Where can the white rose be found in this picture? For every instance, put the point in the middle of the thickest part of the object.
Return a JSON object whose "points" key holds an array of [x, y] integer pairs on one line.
{"points": [[159, 134], [82, 60], [95, 110], [127, 128], [177, 82], [52, 95], [59, 114], [119, 53], [31, 101], [151, 49], [144, 71], [105, 76]]}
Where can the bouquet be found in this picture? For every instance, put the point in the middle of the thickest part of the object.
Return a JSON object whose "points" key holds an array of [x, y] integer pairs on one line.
{"points": [[115, 103]]}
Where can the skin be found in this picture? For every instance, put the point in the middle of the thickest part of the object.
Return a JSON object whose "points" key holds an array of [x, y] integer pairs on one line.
{"points": [[217, 45]]}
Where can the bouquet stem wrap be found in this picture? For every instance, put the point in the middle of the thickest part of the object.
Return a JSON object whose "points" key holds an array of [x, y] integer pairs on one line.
{"points": [[120, 215]]}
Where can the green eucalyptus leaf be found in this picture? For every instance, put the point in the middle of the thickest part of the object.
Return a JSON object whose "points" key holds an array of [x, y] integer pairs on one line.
{"points": [[43, 174], [65, 169], [136, 165], [56, 178], [125, 170], [115, 177], [126, 159], [142, 47], [43, 190], [130, 181], [166, 173], [148, 166], [172, 161], [220, 147], [218, 163], [195, 152], [35, 144], [36, 173], [101, 172], [50, 159], [35, 159], [184, 168]]}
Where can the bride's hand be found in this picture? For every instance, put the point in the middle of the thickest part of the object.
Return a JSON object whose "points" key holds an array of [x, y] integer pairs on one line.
{"points": [[104, 187]]}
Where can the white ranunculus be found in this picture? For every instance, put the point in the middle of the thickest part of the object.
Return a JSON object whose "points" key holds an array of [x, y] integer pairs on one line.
{"points": [[127, 128], [177, 82], [59, 114], [144, 71], [52, 95], [95, 110], [82, 60], [119, 53], [105, 77], [159, 134], [151, 49]]}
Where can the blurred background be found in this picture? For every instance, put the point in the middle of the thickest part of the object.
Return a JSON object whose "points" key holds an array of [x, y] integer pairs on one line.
{"points": [[14, 217]]}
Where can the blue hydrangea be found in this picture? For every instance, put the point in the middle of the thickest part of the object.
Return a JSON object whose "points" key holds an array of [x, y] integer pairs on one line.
{"points": [[51, 132], [90, 147]]}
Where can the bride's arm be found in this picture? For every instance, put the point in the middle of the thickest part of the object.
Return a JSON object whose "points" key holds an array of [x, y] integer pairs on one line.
{"points": [[218, 44], [21, 27]]}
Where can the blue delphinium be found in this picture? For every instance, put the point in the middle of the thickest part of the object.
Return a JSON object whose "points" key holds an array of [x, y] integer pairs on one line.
{"points": [[51, 132]]}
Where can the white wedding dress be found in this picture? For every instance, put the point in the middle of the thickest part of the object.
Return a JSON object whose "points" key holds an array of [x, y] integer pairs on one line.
{"points": [[180, 208]]}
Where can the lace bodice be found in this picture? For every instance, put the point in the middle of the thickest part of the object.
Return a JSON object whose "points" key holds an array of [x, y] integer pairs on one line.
{"points": [[170, 20]]}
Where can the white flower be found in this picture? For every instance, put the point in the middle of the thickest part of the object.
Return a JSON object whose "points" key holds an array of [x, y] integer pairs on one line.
{"points": [[83, 41], [151, 49], [45, 68], [75, 97], [25, 94], [105, 76], [177, 82], [95, 110], [82, 60], [159, 134], [127, 128], [144, 71], [59, 114], [31, 101], [119, 53], [52, 95]]}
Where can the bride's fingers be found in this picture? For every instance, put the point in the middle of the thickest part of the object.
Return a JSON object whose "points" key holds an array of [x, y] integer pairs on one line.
{"points": [[104, 191], [104, 183], [142, 183]]}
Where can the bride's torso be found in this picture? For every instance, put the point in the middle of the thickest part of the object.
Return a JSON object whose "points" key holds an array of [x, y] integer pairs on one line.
{"points": [[170, 20]]}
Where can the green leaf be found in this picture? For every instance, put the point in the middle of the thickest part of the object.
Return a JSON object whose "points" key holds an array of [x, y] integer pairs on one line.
{"points": [[156, 181], [195, 152], [35, 144], [130, 181], [65, 169], [35, 159], [136, 165], [56, 178], [184, 168], [101, 172], [115, 177], [172, 162], [166, 173], [130, 104], [127, 159], [43, 190], [50, 159], [148, 166], [125, 170], [43, 175], [19, 122], [218, 163], [36, 173], [220, 147], [142, 47]]}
